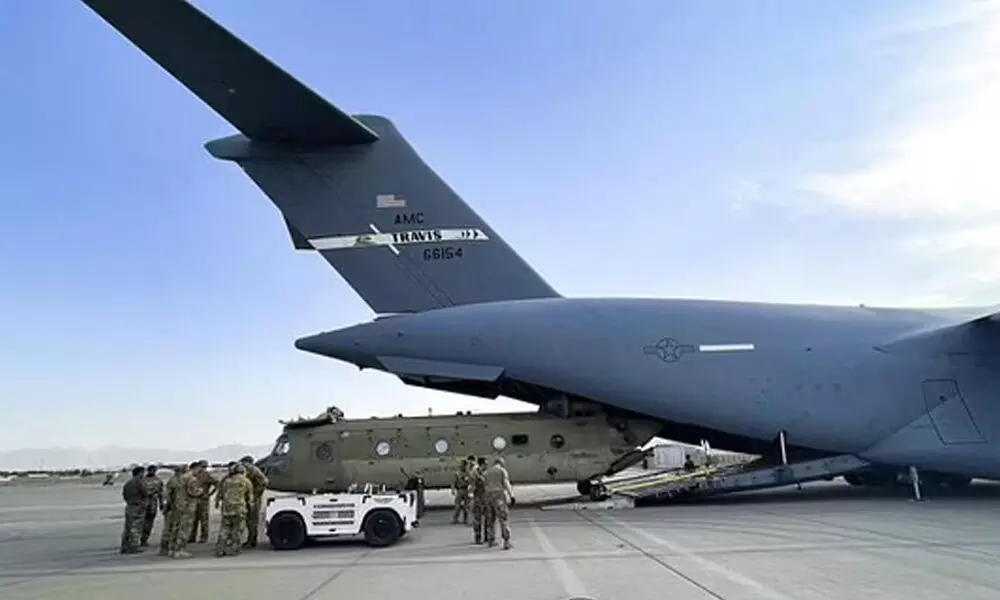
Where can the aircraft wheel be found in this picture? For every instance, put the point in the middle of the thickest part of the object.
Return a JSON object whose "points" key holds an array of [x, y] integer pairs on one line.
{"points": [[853, 479], [286, 532], [878, 478], [382, 528], [584, 487], [958, 482]]}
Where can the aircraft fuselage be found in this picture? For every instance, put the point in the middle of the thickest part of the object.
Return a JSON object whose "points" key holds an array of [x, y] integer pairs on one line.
{"points": [[824, 375]]}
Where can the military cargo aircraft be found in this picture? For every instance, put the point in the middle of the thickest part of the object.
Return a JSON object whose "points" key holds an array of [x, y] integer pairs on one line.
{"points": [[329, 454], [457, 309]]}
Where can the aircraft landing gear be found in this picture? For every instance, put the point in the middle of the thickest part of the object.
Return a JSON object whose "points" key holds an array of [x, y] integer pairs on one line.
{"points": [[872, 478], [915, 480], [584, 487]]}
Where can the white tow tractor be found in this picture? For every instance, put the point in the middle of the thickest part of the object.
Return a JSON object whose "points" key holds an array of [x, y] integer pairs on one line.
{"points": [[381, 516]]}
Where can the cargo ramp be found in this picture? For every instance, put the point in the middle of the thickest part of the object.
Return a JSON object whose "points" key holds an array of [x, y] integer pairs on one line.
{"points": [[713, 481]]}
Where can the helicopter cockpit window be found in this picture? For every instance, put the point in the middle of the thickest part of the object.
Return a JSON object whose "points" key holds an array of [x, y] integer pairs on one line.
{"points": [[281, 447]]}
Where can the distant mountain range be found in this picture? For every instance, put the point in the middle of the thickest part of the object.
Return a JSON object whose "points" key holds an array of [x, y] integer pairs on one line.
{"points": [[116, 457]]}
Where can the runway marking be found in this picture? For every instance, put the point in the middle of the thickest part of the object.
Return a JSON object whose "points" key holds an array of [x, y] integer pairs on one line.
{"points": [[704, 563], [567, 577]]}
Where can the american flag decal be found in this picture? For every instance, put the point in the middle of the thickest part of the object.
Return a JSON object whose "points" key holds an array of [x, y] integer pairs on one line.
{"points": [[390, 201]]}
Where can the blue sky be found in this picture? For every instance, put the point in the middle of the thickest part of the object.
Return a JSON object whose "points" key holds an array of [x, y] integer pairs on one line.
{"points": [[837, 152]]}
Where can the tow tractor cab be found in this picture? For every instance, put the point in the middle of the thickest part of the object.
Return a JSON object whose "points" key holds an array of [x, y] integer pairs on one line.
{"points": [[382, 517]]}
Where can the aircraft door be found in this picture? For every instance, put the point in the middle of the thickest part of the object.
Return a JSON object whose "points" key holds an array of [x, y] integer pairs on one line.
{"points": [[950, 416]]}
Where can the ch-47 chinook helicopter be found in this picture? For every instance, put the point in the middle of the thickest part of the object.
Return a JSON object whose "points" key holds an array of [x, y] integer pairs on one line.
{"points": [[561, 443]]}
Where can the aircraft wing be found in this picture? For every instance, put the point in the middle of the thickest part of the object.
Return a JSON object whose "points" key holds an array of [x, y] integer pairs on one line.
{"points": [[253, 94], [959, 331]]}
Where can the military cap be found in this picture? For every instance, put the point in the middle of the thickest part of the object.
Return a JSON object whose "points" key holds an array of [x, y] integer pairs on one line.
{"points": [[247, 459]]}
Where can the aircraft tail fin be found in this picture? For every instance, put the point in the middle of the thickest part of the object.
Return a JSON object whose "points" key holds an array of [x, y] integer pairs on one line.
{"points": [[256, 96], [393, 229], [349, 187]]}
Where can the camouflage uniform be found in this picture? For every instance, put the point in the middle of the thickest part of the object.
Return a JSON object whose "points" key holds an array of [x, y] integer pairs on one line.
{"points": [[170, 513], [154, 502], [201, 513], [186, 495], [134, 495], [235, 498], [478, 502], [229, 472], [460, 487], [259, 482], [497, 483]]}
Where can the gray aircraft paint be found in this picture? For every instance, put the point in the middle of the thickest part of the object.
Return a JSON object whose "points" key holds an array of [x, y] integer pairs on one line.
{"points": [[894, 386]]}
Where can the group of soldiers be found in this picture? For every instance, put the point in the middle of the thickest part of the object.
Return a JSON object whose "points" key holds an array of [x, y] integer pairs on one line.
{"points": [[184, 502], [488, 489]]}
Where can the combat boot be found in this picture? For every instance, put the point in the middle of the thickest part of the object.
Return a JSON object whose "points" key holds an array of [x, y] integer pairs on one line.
{"points": [[181, 554], [479, 539], [506, 545]]}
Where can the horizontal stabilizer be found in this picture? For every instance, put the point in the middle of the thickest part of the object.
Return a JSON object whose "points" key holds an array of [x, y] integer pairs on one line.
{"points": [[256, 96], [399, 365]]}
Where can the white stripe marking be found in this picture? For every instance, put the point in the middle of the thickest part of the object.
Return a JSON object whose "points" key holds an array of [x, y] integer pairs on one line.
{"points": [[725, 347], [392, 247], [706, 564], [396, 238], [570, 582]]}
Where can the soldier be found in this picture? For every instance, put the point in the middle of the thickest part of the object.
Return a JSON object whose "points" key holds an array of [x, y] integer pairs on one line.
{"points": [[479, 500], [201, 509], [134, 494], [460, 490], [188, 492], [229, 471], [235, 498], [688, 463], [170, 513], [259, 482], [497, 483], [154, 502]]}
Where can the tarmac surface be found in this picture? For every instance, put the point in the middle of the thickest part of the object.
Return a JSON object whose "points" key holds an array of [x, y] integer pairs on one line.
{"points": [[827, 541]]}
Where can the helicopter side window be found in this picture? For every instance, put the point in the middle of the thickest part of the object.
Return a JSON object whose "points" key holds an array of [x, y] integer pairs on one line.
{"points": [[519, 440], [557, 441], [281, 447]]}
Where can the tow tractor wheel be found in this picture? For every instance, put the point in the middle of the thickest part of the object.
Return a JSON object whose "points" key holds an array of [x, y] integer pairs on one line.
{"points": [[382, 528], [584, 487], [286, 532]]}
